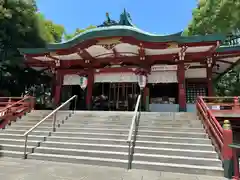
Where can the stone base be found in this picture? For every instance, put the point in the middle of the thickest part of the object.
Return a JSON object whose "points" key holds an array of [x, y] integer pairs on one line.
{"points": [[228, 169], [182, 109]]}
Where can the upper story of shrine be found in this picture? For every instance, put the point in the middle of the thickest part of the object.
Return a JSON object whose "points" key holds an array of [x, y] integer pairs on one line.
{"points": [[122, 43]]}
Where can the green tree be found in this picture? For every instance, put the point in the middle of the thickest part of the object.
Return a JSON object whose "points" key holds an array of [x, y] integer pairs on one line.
{"points": [[212, 16], [50, 32], [18, 29], [219, 16], [77, 31]]}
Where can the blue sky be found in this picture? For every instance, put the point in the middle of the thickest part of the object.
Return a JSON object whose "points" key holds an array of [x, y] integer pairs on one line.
{"points": [[155, 16]]}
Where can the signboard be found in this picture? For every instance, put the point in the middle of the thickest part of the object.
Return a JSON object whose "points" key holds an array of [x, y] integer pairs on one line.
{"points": [[164, 68], [216, 107], [83, 82]]}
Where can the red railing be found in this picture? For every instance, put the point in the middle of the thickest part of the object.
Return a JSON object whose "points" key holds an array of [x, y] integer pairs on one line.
{"points": [[222, 137], [211, 125], [13, 107], [225, 104]]}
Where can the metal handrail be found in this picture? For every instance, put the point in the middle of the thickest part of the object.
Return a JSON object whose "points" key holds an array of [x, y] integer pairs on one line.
{"points": [[133, 124], [45, 118]]}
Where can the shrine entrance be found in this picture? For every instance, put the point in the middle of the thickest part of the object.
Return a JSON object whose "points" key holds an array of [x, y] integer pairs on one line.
{"points": [[70, 90], [115, 96]]}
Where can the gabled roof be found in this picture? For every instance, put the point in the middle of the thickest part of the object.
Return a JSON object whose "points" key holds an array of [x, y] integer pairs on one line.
{"points": [[123, 28]]}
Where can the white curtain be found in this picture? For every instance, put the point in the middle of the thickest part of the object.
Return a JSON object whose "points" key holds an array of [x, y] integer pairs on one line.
{"points": [[115, 77], [71, 79], [163, 77]]}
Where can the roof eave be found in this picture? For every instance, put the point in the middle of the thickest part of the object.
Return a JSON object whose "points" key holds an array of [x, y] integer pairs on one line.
{"points": [[123, 31]]}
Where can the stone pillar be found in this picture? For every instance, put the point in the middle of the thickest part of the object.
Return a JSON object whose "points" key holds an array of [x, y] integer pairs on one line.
{"points": [[90, 89], [58, 86], [209, 77], [181, 87]]}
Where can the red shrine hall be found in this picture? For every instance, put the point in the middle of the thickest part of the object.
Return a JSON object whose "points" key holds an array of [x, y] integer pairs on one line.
{"points": [[112, 57]]}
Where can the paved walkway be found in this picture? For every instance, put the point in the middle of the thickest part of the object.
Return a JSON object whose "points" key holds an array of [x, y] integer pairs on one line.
{"points": [[18, 169]]}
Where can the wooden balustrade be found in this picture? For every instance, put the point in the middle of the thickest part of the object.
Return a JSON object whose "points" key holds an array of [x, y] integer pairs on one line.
{"points": [[13, 107], [221, 137], [224, 104]]}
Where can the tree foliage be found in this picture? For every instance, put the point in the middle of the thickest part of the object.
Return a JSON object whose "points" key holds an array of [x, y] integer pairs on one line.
{"points": [[77, 31], [50, 32], [19, 28], [212, 16], [219, 16]]}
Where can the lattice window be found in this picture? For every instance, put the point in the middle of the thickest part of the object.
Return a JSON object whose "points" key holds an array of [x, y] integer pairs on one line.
{"points": [[193, 91]]}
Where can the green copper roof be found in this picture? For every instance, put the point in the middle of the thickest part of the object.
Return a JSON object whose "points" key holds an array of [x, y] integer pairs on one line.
{"points": [[124, 28], [223, 49]]}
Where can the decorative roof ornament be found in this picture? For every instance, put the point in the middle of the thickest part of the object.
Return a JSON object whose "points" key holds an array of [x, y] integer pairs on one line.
{"points": [[108, 22], [125, 20]]}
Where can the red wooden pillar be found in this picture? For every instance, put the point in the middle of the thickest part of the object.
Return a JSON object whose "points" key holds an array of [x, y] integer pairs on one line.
{"points": [[90, 89], [58, 85], [181, 87], [209, 81]]}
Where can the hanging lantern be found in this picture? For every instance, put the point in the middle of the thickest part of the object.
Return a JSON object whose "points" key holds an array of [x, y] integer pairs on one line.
{"points": [[142, 81], [83, 82]]}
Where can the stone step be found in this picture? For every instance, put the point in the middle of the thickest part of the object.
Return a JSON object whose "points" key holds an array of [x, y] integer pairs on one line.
{"points": [[83, 152], [171, 145], [177, 159], [35, 132], [160, 144], [34, 117], [86, 146], [174, 139], [100, 119], [37, 119], [114, 131], [95, 140], [12, 154], [172, 133], [20, 136], [67, 126], [175, 152], [178, 168], [13, 147], [80, 159], [19, 142], [169, 122], [70, 122], [91, 134], [33, 120], [122, 139], [39, 128], [70, 130]]}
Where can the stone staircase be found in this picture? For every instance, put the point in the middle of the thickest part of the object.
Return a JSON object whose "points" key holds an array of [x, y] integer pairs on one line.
{"points": [[12, 140], [173, 142]]}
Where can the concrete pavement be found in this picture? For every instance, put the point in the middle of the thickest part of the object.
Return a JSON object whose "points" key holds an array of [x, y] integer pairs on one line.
{"points": [[19, 169]]}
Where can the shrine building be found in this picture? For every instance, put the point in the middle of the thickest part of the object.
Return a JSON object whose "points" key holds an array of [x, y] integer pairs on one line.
{"points": [[115, 54]]}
